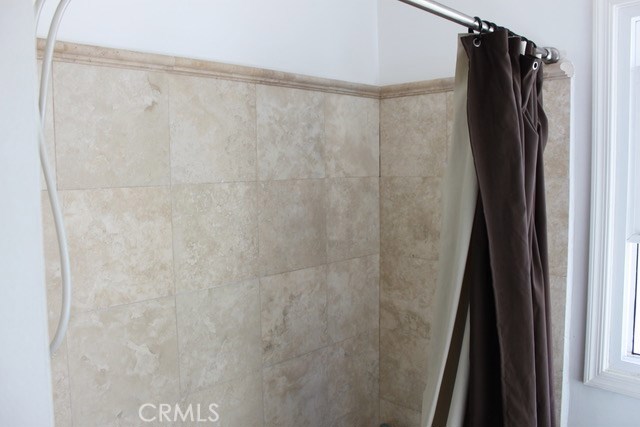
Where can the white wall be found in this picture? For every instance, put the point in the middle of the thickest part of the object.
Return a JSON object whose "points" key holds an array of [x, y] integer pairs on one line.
{"points": [[329, 38], [25, 385], [415, 45]]}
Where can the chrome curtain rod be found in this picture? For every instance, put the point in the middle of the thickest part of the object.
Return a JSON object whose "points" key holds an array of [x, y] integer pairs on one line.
{"points": [[548, 54]]}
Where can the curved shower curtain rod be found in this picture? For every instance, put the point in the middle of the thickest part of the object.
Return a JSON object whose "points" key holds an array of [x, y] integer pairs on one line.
{"points": [[549, 55]]}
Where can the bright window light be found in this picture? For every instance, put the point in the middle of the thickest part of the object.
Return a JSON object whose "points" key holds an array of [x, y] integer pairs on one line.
{"points": [[636, 311]]}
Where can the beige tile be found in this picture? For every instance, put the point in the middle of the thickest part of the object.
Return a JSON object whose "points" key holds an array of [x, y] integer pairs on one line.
{"points": [[292, 232], [403, 366], [111, 127], [413, 135], [557, 105], [296, 391], [239, 403], [353, 212], [215, 230], [410, 214], [558, 224], [213, 130], [49, 134], [219, 334], [119, 244], [353, 381], [351, 132], [294, 314], [290, 133], [59, 365], [60, 387], [366, 416], [449, 117], [121, 358], [397, 416], [352, 300], [558, 298], [558, 287], [51, 265], [407, 287], [558, 399]]}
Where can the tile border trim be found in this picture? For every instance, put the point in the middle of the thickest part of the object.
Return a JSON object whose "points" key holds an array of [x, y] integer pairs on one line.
{"points": [[558, 71], [120, 58]]}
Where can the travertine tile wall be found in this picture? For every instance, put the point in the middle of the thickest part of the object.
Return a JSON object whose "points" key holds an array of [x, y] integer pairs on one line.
{"points": [[228, 239], [414, 134], [224, 240]]}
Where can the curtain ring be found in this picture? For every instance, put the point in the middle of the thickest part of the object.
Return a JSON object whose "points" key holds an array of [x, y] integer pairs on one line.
{"points": [[478, 21], [490, 26]]}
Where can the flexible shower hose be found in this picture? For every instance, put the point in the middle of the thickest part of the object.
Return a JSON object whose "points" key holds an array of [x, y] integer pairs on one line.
{"points": [[49, 178]]}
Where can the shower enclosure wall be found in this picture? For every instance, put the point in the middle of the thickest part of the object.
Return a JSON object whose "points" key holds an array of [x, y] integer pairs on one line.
{"points": [[227, 238]]}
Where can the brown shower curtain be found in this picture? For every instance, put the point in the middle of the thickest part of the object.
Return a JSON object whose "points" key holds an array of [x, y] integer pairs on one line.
{"points": [[506, 274]]}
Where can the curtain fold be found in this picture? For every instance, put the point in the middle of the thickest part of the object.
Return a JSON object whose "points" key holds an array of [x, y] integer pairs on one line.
{"points": [[508, 370], [459, 192], [510, 353]]}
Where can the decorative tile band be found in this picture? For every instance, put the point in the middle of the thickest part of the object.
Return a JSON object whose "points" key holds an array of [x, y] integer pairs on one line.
{"points": [[560, 70], [119, 58]]}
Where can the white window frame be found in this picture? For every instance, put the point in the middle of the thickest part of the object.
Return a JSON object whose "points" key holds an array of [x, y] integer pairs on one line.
{"points": [[607, 364]]}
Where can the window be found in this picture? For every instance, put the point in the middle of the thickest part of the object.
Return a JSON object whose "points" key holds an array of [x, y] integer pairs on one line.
{"points": [[634, 240], [633, 210], [634, 186], [635, 287], [612, 359]]}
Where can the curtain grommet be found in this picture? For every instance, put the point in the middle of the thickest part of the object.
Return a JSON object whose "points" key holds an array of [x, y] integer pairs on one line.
{"points": [[477, 42], [535, 65]]}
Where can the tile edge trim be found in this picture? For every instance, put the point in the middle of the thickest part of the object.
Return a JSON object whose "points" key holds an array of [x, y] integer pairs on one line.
{"points": [[120, 58]]}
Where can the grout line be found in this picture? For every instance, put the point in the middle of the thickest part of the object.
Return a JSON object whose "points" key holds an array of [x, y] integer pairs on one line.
{"points": [[173, 248], [223, 285], [380, 253], [327, 263], [53, 122], [323, 138], [177, 184], [380, 139], [56, 175], [325, 211], [258, 190], [259, 256], [399, 405], [117, 306], [115, 187], [379, 420], [261, 352], [330, 340], [169, 103], [257, 138], [66, 347], [324, 347]]}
